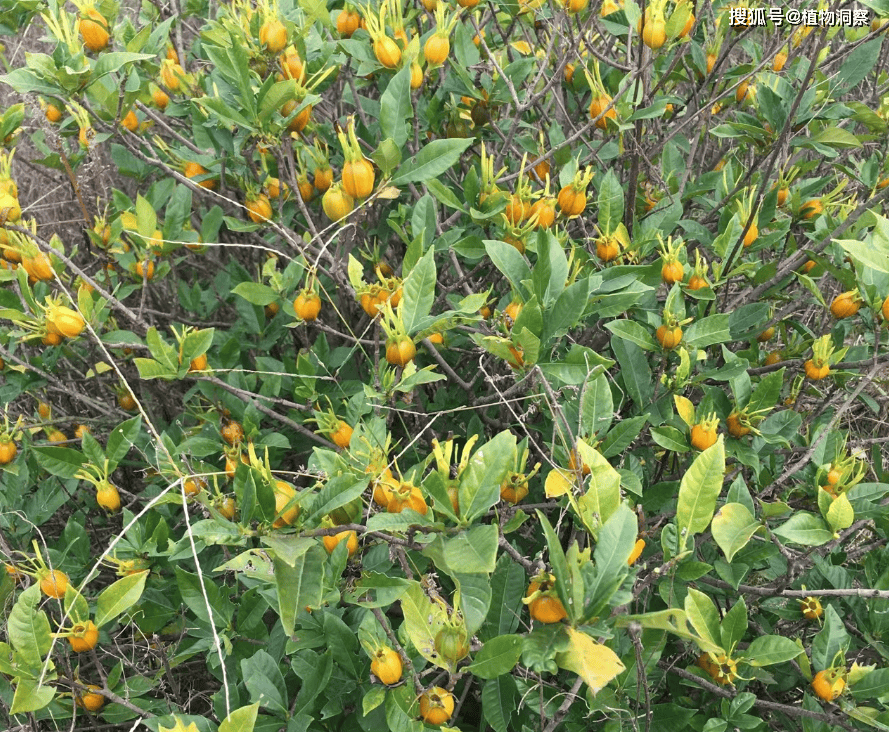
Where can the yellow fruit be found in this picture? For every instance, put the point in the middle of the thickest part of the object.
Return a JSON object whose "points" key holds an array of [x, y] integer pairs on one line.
{"points": [[386, 665], [90, 700], [284, 492], [828, 685], [84, 637], [436, 705], [54, 583], [273, 35], [94, 30], [108, 497], [350, 537]]}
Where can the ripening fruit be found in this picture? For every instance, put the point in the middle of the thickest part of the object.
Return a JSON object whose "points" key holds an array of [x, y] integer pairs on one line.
{"points": [[130, 121], [10, 208], [827, 685], [228, 508], [571, 202], [171, 75], [546, 608], [298, 123], [436, 705], [741, 91], [273, 35], [711, 62], [772, 358], [259, 208], [8, 451], [751, 235], [668, 337], [810, 209], [607, 248], [637, 551], [845, 305], [322, 178], [703, 436], [307, 305], [160, 98], [350, 537], [347, 22], [513, 492], [53, 113], [198, 363], [811, 608], [436, 50], [406, 495], [54, 583], [195, 170], [90, 700], [779, 61], [816, 373], [696, 282], [387, 52], [517, 210], [144, 269], [783, 192], [343, 435], [598, 106], [546, 212], [84, 637], [108, 497], [386, 665], [358, 178], [736, 427], [232, 432], [64, 321], [884, 309], [400, 351], [56, 436], [654, 33], [44, 410], [337, 203], [94, 30], [284, 492], [672, 272], [192, 487], [608, 7], [689, 24]]}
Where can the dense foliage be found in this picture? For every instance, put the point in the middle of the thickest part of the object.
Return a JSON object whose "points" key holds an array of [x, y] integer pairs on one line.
{"points": [[509, 365]]}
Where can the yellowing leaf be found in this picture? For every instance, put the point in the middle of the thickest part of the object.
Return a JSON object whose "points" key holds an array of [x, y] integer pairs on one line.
{"points": [[389, 192], [522, 47], [557, 483], [424, 619], [685, 409], [594, 663]]}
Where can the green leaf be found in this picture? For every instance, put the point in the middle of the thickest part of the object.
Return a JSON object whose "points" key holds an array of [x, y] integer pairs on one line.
{"points": [[830, 640], [255, 293], [299, 586], [240, 720], [857, 65], [871, 254], [433, 160], [610, 203], [805, 529], [31, 696], [264, 681], [836, 137], [475, 598], [119, 597], [499, 702], [395, 107], [840, 515], [732, 528], [703, 616], [671, 620], [375, 696], [630, 330], [699, 490], [507, 259], [670, 438], [480, 482], [121, 439], [473, 551], [734, 625], [559, 564], [767, 650], [418, 292], [60, 461], [497, 657], [423, 620], [28, 628]]}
